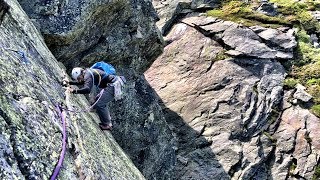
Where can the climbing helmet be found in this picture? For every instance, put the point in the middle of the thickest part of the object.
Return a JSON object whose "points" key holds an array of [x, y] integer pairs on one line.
{"points": [[76, 72]]}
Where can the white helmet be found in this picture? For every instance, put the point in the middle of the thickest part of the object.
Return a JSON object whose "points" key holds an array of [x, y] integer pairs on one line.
{"points": [[76, 72]]}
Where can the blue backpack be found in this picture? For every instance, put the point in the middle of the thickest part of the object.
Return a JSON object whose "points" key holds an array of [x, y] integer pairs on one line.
{"points": [[106, 67]]}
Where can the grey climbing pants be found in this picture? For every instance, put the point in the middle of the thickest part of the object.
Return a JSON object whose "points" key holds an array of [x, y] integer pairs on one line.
{"points": [[102, 105]]}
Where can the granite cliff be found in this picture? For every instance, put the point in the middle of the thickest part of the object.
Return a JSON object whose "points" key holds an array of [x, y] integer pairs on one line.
{"points": [[216, 89]]}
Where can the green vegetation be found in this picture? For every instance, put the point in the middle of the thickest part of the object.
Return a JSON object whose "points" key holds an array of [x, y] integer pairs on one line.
{"points": [[221, 56], [291, 13], [290, 83], [305, 68], [316, 110], [240, 12], [272, 139], [292, 6], [293, 166], [274, 115], [316, 174]]}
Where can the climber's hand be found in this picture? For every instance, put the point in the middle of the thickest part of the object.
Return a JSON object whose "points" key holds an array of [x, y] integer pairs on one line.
{"points": [[65, 82], [69, 90]]}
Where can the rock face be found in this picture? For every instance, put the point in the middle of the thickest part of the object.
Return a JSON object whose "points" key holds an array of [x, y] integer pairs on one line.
{"points": [[30, 127], [230, 118], [297, 144], [255, 41], [142, 132], [123, 33], [223, 114], [82, 32], [170, 11]]}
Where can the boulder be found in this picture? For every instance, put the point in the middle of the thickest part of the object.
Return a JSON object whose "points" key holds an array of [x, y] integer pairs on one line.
{"points": [[283, 40], [268, 9], [301, 94], [297, 133], [171, 11], [204, 4], [316, 15]]}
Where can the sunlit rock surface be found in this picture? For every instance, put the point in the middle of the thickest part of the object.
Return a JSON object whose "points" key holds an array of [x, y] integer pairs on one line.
{"points": [[221, 86]]}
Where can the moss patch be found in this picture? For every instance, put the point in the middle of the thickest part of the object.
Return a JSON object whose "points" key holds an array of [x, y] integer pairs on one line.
{"points": [[293, 166], [316, 174], [221, 56], [272, 139], [242, 13], [316, 110], [305, 69], [290, 83]]}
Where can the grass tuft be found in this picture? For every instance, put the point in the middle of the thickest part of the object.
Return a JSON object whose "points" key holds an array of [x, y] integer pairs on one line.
{"points": [[316, 110]]}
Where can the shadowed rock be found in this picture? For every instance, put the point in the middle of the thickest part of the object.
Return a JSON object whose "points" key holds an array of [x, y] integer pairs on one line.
{"points": [[268, 8], [82, 32], [3, 10], [301, 94]]}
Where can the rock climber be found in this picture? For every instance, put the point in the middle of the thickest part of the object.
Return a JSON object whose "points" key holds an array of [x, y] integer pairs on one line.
{"points": [[90, 78]]}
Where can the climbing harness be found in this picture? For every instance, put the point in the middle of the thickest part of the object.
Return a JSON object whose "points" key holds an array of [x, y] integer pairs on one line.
{"points": [[64, 144], [100, 79]]}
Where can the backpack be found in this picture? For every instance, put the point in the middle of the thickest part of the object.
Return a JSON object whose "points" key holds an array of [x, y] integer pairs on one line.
{"points": [[106, 67], [109, 69]]}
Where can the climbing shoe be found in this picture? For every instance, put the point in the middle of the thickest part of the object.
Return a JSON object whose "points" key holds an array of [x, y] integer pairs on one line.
{"points": [[105, 127]]}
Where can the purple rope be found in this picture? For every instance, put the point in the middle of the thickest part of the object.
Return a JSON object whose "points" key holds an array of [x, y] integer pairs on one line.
{"points": [[88, 109], [64, 143], [64, 135]]}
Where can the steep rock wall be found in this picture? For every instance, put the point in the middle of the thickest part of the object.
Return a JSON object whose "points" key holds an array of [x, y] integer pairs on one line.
{"points": [[123, 33], [221, 86], [82, 32], [30, 127]]}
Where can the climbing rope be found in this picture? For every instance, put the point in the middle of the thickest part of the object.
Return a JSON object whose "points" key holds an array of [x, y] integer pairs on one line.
{"points": [[98, 97], [61, 113], [64, 134], [64, 144]]}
